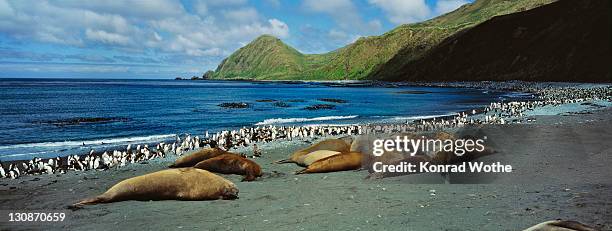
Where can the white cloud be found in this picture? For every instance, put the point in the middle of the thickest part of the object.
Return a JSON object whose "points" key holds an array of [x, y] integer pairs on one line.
{"points": [[5, 9], [403, 11], [278, 28], [375, 25], [337, 35], [444, 6], [242, 15], [128, 8], [350, 23], [159, 26], [342, 11], [106, 37], [200, 8], [226, 2]]}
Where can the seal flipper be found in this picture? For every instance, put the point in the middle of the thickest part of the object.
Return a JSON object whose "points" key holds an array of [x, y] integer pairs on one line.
{"points": [[250, 175], [248, 178], [301, 171], [573, 225], [91, 201], [283, 161]]}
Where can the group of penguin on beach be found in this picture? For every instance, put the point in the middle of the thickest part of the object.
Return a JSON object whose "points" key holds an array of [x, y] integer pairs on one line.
{"points": [[225, 140]]}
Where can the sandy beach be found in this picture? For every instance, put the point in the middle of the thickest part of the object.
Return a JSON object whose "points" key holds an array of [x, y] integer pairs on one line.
{"points": [[560, 171]]}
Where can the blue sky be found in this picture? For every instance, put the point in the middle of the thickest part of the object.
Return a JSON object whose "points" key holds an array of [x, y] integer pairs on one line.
{"points": [[165, 38]]}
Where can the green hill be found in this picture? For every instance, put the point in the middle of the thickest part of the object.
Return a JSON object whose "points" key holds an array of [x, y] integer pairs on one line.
{"points": [[269, 58], [266, 57]]}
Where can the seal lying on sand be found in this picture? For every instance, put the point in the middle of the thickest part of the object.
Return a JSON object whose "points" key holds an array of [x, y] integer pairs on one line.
{"points": [[231, 164], [194, 158], [169, 184], [443, 157], [415, 160], [337, 145], [560, 225], [341, 162], [315, 156]]}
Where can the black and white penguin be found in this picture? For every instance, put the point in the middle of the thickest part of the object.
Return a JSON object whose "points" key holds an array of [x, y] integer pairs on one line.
{"points": [[2, 172]]}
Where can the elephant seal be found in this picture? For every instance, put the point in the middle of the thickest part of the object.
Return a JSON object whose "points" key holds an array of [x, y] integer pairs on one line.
{"points": [[446, 157], [194, 158], [415, 160], [341, 162], [444, 136], [169, 184], [337, 145], [364, 145], [315, 156], [347, 139], [443, 157], [560, 225], [232, 164]]}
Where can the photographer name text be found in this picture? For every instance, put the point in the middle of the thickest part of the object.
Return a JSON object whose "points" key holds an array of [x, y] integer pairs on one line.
{"points": [[426, 167]]}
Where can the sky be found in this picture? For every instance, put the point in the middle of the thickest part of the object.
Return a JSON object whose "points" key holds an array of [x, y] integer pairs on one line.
{"points": [[146, 39]]}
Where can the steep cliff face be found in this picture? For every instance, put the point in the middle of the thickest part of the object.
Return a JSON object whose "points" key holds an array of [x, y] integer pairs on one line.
{"points": [[562, 41]]}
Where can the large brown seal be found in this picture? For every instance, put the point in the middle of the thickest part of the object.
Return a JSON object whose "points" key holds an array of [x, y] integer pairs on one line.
{"points": [[443, 157], [231, 164], [342, 162], [194, 158], [169, 184], [337, 145], [560, 225], [364, 144], [315, 156], [394, 159]]}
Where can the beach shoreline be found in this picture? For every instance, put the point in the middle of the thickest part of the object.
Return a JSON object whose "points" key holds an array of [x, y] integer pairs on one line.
{"points": [[559, 155], [541, 188], [546, 98], [560, 160]]}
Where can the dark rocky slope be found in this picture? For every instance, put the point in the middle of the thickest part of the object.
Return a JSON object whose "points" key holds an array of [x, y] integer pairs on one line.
{"points": [[567, 40]]}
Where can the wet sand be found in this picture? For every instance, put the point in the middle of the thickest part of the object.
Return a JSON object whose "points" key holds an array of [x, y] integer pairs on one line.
{"points": [[561, 170]]}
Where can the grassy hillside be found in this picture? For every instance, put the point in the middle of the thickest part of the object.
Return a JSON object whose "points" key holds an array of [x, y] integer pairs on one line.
{"points": [[265, 58], [561, 41], [268, 58]]}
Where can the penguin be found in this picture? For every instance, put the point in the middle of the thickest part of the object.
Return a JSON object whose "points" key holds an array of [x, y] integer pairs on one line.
{"points": [[26, 167], [96, 163], [2, 172], [14, 172], [48, 169], [78, 165], [106, 160]]}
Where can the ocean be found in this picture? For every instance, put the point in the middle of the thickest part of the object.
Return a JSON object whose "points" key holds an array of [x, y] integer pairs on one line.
{"points": [[56, 117]]}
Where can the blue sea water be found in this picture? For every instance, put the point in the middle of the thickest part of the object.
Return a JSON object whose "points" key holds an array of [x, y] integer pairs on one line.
{"points": [[145, 111]]}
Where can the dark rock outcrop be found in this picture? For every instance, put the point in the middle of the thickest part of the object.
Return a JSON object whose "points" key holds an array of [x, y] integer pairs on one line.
{"points": [[320, 107], [332, 100], [234, 105]]}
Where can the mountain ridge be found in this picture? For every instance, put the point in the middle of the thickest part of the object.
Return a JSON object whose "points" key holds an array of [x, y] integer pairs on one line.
{"points": [[358, 59]]}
